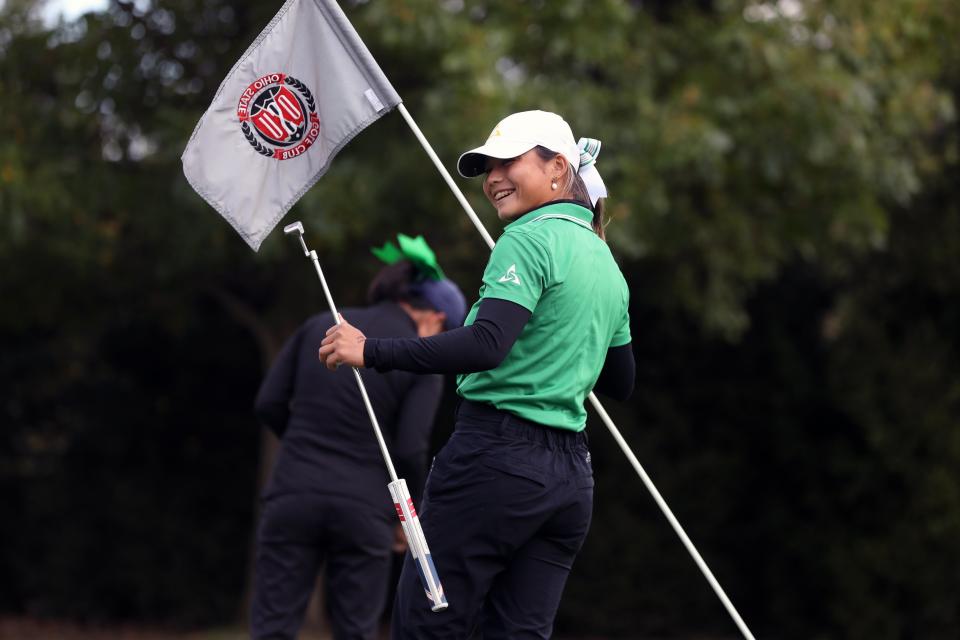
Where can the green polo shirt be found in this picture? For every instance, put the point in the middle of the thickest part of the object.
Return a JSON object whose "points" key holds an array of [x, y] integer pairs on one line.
{"points": [[551, 262]]}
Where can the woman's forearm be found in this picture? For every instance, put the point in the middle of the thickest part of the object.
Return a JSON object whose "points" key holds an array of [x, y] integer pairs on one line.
{"points": [[478, 347]]}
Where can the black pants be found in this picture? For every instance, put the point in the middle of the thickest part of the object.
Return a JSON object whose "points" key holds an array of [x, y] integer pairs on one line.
{"points": [[300, 532], [506, 509]]}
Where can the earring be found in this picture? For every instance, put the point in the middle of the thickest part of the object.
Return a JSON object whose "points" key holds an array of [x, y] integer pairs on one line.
{"points": [[553, 185]]}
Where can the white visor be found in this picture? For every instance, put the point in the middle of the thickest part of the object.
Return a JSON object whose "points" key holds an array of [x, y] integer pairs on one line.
{"points": [[518, 133]]}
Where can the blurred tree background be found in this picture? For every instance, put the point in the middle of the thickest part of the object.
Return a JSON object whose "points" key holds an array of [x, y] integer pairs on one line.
{"points": [[785, 206]]}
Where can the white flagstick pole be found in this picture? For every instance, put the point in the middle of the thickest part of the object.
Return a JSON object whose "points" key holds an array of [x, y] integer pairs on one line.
{"points": [[593, 398], [671, 518]]}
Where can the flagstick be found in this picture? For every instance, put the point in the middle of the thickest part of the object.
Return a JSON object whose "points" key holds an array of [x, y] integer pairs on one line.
{"points": [[593, 399]]}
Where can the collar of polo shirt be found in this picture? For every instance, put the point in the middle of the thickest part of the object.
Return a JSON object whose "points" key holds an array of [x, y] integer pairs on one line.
{"points": [[563, 209]]}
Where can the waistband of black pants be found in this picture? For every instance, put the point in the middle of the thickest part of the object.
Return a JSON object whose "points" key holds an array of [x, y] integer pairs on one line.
{"points": [[505, 423]]}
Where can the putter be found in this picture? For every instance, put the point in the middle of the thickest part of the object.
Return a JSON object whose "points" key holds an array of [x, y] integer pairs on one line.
{"points": [[402, 501]]}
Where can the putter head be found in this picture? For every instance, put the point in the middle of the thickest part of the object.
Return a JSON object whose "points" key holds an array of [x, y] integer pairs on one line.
{"points": [[297, 228], [294, 227]]}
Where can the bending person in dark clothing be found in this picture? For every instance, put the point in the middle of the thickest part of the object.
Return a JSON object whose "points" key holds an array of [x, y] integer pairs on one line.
{"points": [[327, 501]]}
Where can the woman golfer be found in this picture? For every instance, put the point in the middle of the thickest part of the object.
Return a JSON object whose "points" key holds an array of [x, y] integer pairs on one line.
{"points": [[508, 500]]}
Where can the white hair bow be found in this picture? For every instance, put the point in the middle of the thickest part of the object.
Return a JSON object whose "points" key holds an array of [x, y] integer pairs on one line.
{"points": [[589, 150]]}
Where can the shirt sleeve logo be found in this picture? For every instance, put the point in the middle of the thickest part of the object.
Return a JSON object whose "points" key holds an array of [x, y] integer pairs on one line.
{"points": [[510, 275]]}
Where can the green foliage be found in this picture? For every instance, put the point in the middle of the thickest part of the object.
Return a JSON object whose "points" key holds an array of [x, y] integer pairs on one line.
{"points": [[784, 204]]}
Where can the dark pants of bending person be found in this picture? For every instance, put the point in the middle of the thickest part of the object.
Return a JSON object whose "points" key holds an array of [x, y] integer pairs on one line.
{"points": [[299, 533], [506, 509]]}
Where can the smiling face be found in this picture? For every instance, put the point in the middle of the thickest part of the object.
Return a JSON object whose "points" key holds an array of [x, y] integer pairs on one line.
{"points": [[517, 185]]}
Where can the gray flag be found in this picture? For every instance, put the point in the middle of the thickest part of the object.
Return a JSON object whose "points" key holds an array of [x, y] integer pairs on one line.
{"points": [[302, 90]]}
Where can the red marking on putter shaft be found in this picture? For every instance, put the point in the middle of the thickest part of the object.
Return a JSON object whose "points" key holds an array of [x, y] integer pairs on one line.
{"points": [[417, 544], [413, 511]]}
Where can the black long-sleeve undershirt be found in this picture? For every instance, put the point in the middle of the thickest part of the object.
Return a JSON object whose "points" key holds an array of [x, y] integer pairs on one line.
{"points": [[484, 345], [618, 374], [477, 347]]}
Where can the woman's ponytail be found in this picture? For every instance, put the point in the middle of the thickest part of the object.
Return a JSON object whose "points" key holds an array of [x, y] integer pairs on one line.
{"points": [[599, 223], [576, 189]]}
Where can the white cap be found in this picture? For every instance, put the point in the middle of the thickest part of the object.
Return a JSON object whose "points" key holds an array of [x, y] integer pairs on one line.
{"points": [[518, 133]]}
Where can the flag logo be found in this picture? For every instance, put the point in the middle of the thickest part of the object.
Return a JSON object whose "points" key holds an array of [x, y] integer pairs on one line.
{"points": [[278, 116]]}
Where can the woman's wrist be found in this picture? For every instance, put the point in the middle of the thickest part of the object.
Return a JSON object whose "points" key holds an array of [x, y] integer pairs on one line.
{"points": [[369, 352]]}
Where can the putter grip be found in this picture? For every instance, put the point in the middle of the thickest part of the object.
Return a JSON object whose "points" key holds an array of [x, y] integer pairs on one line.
{"points": [[417, 544]]}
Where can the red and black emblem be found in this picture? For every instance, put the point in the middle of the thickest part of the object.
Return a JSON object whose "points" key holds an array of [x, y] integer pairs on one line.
{"points": [[278, 116]]}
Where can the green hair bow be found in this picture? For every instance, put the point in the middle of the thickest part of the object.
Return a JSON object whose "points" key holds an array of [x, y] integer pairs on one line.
{"points": [[416, 250]]}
